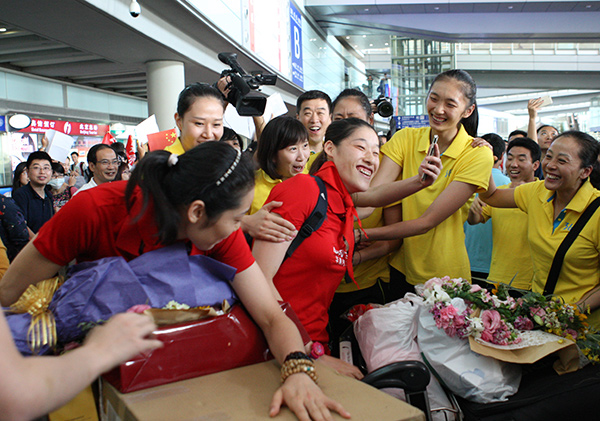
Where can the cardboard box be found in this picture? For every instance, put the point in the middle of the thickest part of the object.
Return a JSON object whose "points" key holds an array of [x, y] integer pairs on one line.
{"points": [[245, 394]]}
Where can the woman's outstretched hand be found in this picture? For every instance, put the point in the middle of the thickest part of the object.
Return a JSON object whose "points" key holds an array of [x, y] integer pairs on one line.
{"points": [[305, 399]]}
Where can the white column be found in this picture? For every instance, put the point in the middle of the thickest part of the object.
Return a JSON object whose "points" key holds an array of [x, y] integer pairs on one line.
{"points": [[166, 79]]}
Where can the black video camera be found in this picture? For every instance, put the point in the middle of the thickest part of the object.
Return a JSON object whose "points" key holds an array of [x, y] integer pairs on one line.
{"points": [[384, 106], [246, 102]]}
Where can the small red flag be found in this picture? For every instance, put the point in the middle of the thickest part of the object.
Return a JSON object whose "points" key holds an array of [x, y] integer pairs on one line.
{"points": [[130, 150], [159, 141], [108, 139]]}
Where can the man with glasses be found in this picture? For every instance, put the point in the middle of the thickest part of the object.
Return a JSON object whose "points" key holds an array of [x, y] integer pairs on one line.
{"points": [[34, 199], [103, 163]]}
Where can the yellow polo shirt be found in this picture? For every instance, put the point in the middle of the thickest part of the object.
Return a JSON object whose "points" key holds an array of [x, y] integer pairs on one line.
{"points": [[367, 273], [511, 257], [263, 184], [176, 148], [311, 159], [441, 251], [580, 271]]}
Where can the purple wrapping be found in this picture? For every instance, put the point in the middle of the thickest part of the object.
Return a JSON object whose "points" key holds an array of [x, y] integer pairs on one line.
{"points": [[95, 291]]}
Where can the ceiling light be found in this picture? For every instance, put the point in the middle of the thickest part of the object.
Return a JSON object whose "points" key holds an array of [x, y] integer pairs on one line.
{"points": [[436, 8], [587, 6], [510, 7], [347, 37], [370, 45], [364, 36], [2, 29], [366, 10], [387, 43]]}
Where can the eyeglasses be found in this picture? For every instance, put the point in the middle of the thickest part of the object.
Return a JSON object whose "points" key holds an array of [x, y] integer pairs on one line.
{"points": [[39, 168], [107, 162]]}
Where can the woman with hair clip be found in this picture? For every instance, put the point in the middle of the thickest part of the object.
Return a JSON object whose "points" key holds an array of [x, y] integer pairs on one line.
{"points": [[553, 206], [431, 221], [309, 277], [160, 206]]}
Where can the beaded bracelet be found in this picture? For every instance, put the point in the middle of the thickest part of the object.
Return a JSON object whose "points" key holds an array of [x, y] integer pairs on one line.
{"points": [[298, 355], [295, 366]]}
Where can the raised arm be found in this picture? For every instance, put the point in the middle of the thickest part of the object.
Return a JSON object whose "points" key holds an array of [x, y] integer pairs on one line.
{"points": [[498, 198], [532, 107], [449, 201]]}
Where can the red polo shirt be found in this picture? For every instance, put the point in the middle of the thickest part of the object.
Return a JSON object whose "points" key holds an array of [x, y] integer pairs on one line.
{"points": [[95, 224], [309, 278]]}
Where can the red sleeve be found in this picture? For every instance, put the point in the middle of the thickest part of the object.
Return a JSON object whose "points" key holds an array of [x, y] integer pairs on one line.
{"points": [[299, 195], [69, 232], [233, 251]]}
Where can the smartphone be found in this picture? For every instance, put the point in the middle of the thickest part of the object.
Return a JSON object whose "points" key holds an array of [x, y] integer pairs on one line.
{"points": [[546, 100], [430, 152]]}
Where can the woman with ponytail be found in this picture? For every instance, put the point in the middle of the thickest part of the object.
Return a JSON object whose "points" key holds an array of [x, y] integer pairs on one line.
{"points": [[430, 222], [198, 197]]}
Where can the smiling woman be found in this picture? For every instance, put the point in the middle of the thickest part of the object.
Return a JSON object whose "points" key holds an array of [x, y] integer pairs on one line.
{"points": [[309, 277]]}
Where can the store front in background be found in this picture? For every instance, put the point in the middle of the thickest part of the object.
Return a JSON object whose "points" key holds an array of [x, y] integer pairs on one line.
{"points": [[16, 145]]}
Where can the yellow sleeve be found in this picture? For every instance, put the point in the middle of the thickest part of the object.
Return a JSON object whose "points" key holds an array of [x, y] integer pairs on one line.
{"points": [[524, 193], [486, 212], [475, 167], [3, 260]]}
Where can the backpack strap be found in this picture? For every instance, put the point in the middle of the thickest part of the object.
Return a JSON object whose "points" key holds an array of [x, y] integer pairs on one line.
{"points": [[559, 257], [314, 220]]}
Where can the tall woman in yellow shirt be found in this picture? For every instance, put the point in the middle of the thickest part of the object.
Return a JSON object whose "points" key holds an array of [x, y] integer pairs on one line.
{"points": [[431, 221]]}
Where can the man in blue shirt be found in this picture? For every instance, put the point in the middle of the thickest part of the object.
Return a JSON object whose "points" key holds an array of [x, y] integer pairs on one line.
{"points": [[34, 199], [478, 238]]}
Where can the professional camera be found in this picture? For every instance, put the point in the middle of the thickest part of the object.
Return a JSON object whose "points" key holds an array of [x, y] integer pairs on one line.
{"points": [[246, 102], [384, 106]]}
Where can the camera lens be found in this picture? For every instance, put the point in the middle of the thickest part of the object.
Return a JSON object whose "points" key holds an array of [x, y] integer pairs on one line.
{"points": [[385, 109]]}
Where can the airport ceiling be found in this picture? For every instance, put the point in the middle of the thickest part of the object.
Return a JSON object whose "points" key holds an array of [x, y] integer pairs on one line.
{"points": [[73, 41]]}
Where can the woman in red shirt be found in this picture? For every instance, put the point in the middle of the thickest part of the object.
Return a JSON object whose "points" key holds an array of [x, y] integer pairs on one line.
{"points": [[309, 277], [200, 197]]}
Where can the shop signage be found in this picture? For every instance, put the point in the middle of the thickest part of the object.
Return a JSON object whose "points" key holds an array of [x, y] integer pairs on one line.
{"points": [[71, 128], [411, 121]]}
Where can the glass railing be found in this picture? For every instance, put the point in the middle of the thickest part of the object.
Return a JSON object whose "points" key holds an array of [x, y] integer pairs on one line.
{"points": [[529, 48]]}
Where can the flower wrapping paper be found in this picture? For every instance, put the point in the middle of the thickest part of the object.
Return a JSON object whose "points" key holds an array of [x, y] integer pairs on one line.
{"points": [[95, 291]]}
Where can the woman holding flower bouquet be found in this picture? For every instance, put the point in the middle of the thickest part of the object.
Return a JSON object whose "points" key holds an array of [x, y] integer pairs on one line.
{"points": [[199, 197], [553, 207]]}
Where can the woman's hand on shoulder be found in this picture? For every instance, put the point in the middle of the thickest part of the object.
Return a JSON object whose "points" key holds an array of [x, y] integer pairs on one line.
{"points": [[268, 226], [305, 399], [479, 142]]}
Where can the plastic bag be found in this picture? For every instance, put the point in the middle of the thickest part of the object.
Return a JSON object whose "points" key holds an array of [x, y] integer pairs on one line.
{"points": [[387, 335], [469, 375]]}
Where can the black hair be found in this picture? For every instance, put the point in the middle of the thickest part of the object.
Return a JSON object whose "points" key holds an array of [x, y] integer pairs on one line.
{"points": [[74, 153], [37, 155], [278, 134], [314, 94], [171, 188], [93, 152], [546, 125], [360, 96], [527, 143], [469, 90], [520, 133], [337, 132], [497, 143], [230, 134], [122, 167], [119, 149], [58, 168], [19, 169], [197, 90]]}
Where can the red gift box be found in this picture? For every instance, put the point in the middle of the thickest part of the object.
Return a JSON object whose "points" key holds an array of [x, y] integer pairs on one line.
{"points": [[198, 348]]}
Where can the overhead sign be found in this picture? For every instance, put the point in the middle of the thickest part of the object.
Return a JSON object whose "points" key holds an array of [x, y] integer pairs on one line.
{"points": [[71, 128], [296, 47], [411, 121]]}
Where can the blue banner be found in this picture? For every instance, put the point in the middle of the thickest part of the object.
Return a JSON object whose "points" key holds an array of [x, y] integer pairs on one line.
{"points": [[296, 38], [2, 123], [411, 121]]}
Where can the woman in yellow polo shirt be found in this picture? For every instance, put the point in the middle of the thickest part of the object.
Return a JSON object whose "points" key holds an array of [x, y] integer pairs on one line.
{"points": [[282, 153], [199, 117], [431, 221], [553, 205]]}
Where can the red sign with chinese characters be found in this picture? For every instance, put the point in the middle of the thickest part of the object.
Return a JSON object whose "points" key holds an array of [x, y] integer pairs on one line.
{"points": [[71, 128]]}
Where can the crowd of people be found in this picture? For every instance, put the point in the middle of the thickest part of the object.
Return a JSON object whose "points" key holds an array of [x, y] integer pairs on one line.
{"points": [[322, 215]]}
